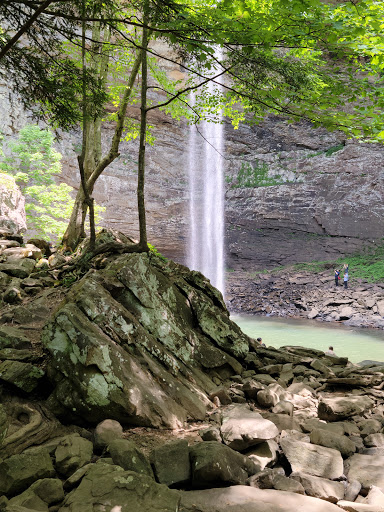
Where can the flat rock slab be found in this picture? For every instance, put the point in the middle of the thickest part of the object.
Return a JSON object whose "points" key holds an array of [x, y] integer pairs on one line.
{"points": [[366, 469], [312, 459], [339, 408], [242, 428], [359, 507], [320, 487], [242, 498]]}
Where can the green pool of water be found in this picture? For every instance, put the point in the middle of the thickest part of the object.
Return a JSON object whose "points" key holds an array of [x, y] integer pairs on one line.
{"points": [[356, 344]]}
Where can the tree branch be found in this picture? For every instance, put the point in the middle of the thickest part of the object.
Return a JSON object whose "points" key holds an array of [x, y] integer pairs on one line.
{"points": [[24, 28]]}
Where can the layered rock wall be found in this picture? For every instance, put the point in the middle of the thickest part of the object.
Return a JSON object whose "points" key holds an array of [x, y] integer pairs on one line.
{"points": [[312, 194]]}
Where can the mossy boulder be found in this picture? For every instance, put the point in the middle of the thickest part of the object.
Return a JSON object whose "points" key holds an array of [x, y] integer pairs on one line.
{"points": [[136, 342], [105, 485]]}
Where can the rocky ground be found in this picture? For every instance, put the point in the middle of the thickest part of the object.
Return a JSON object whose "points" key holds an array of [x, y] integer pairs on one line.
{"points": [[290, 293], [125, 386]]}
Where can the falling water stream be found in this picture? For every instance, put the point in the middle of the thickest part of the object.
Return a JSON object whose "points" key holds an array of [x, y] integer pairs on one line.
{"points": [[206, 187]]}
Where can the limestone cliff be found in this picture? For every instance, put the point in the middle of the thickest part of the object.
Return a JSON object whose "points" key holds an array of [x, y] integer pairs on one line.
{"points": [[322, 197]]}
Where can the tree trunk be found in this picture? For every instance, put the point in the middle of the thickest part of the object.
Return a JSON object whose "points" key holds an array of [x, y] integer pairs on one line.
{"points": [[143, 132], [94, 165]]}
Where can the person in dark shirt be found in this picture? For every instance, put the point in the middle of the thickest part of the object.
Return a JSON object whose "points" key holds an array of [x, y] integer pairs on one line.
{"points": [[260, 340]]}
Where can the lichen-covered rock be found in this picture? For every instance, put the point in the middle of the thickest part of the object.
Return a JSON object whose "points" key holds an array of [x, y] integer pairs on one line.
{"points": [[24, 376], [134, 342], [10, 337]]}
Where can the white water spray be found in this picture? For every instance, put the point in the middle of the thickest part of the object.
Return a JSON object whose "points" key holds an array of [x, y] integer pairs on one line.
{"points": [[206, 186]]}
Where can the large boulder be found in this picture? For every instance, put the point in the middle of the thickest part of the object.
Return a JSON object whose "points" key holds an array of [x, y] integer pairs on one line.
{"points": [[125, 453], [12, 209], [20, 471], [134, 342], [242, 428], [10, 337], [214, 464], [108, 487], [366, 469], [171, 463], [312, 459]]}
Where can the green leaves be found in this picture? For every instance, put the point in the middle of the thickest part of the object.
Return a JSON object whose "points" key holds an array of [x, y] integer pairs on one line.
{"points": [[35, 164]]}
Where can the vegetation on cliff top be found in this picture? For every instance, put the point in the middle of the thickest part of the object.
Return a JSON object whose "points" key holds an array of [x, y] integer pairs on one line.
{"points": [[367, 265]]}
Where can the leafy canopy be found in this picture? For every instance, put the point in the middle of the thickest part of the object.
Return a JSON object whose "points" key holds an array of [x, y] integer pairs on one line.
{"points": [[35, 164]]}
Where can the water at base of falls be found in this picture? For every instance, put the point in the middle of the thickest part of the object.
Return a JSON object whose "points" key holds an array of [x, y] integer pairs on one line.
{"points": [[206, 186]]}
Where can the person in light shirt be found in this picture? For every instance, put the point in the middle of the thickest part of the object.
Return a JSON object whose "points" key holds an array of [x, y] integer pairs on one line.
{"points": [[330, 352]]}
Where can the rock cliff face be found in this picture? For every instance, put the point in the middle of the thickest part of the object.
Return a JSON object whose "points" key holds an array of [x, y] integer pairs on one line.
{"points": [[12, 212], [326, 200], [323, 197]]}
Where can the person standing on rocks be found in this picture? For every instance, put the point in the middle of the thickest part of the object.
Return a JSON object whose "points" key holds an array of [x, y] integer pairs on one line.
{"points": [[337, 277], [346, 277], [330, 351]]}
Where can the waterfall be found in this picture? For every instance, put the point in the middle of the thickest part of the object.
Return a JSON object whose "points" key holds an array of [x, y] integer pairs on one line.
{"points": [[206, 210]]}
